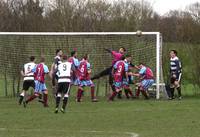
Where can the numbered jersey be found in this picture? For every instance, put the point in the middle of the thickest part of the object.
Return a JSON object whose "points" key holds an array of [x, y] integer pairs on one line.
{"points": [[39, 72], [64, 72], [120, 68], [83, 68], [28, 75]]}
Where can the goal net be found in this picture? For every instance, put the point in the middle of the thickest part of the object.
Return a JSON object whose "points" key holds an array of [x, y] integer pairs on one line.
{"points": [[15, 49]]}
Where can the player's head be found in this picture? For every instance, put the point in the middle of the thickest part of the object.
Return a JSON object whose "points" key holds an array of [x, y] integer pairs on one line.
{"points": [[141, 64], [74, 53], [59, 52], [64, 57], [86, 57], [122, 50], [123, 57], [42, 59], [32, 58], [173, 53], [128, 58]]}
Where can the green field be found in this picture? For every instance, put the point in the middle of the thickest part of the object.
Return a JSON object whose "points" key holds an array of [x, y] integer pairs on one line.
{"points": [[121, 118]]}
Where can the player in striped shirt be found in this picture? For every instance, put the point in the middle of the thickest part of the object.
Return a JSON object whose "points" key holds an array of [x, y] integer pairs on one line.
{"points": [[28, 77], [117, 55], [57, 61], [75, 63], [84, 71], [126, 82], [146, 80], [175, 74], [63, 72], [119, 71], [40, 87]]}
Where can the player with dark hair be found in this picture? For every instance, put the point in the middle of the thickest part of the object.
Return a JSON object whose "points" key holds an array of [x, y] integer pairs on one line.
{"points": [[75, 63], [117, 55], [119, 71], [84, 71], [126, 82], [39, 74], [64, 79], [146, 80], [57, 61], [28, 77], [175, 74]]}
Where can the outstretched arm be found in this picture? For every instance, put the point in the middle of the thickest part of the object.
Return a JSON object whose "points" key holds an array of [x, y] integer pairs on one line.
{"points": [[108, 50], [134, 74]]}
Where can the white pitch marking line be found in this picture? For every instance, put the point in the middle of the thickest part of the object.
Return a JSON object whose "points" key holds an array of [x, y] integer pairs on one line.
{"points": [[2, 129], [132, 134]]}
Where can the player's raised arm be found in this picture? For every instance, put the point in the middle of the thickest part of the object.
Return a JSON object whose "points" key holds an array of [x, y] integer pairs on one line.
{"points": [[133, 66], [108, 50]]}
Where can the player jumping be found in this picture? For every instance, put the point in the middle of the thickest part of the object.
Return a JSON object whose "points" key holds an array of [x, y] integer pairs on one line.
{"points": [[28, 77], [39, 73], [108, 71], [84, 72], [64, 79]]}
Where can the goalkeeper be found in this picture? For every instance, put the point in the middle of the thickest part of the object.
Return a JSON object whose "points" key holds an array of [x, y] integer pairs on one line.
{"points": [[117, 55]]}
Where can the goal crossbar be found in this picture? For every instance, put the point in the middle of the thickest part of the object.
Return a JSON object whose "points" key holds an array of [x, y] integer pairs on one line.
{"points": [[77, 33]]}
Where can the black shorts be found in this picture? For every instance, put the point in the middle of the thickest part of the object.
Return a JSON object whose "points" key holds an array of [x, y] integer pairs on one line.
{"points": [[27, 84], [175, 77], [63, 87]]}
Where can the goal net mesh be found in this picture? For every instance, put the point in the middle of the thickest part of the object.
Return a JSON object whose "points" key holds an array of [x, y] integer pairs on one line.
{"points": [[15, 51]]}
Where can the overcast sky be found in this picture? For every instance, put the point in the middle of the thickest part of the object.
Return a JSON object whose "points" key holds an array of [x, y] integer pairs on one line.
{"points": [[163, 6]]}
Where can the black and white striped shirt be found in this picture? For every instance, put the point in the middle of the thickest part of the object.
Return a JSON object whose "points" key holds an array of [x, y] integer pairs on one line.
{"points": [[175, 67], [57, 61]]}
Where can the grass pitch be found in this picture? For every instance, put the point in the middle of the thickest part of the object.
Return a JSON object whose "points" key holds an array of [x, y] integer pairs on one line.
{"points": [[122, 118]]}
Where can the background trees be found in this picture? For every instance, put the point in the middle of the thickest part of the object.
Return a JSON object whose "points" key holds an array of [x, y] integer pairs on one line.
{"points": [[180, 29], [99, 15]]}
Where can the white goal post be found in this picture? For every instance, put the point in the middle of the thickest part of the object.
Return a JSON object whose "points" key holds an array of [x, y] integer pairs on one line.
{"points": [[158, 45]]}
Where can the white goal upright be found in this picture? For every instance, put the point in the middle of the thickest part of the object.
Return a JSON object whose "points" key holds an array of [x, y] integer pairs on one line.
{"points": [[16, 47]]}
